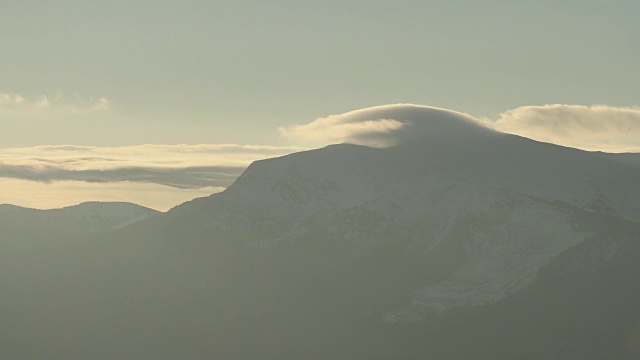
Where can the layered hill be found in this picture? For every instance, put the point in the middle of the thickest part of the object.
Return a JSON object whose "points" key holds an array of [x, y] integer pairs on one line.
{"points": [[24, 228]]}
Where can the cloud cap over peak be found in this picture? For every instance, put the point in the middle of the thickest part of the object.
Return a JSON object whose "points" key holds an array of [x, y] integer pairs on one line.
{"points": [[386, 125]]}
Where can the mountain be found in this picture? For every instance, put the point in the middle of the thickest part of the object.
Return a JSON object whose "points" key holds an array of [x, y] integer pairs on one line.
{"points": [[458, 242], [510, 204]]}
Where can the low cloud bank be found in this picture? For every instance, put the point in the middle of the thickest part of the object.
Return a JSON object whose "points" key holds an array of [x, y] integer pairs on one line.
{"points": [[178, 166], [181, 178]]}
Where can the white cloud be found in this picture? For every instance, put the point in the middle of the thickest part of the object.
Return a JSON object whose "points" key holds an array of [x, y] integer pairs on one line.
{"points": [[598, 127], [10, 99], [102, 104], [57, 103]]}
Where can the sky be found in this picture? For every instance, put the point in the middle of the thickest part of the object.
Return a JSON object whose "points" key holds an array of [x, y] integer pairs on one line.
{"points": [[103, 100]]}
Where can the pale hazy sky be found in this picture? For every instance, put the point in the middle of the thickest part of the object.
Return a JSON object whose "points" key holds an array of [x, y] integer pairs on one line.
{"points": [[117, 73]]}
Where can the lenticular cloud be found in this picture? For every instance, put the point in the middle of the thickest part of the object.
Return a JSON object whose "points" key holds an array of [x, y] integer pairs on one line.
{"points": [[383, 126]]}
